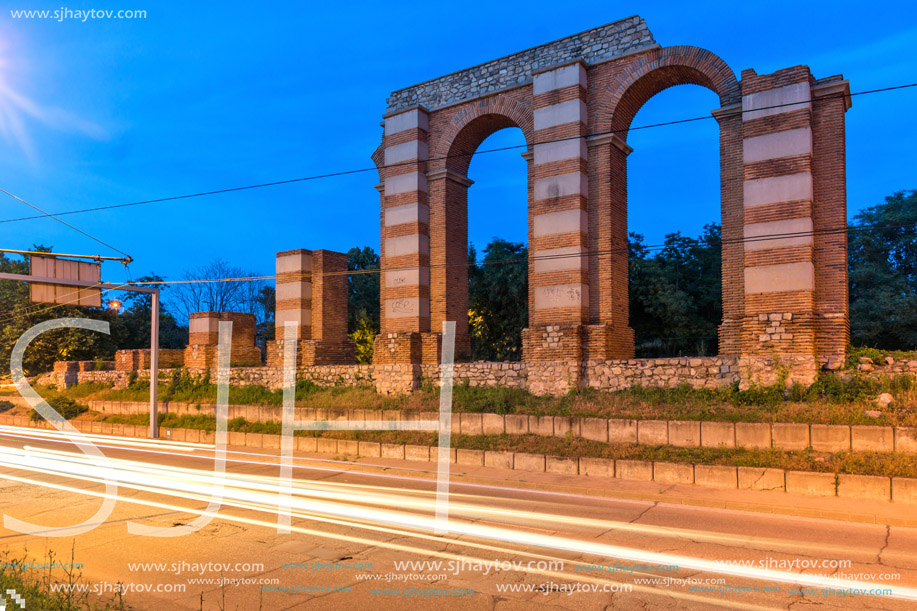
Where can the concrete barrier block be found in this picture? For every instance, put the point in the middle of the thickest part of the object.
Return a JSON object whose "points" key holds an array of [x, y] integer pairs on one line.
{"points": [[872, 439], [673, 473], [564, 425], [597, 467], [392, 450], [759, 478], [904, 490], [716, 476], [641, 470], [558, 464], [305, 443], [270, 442], [236, 438], [348, 447], [177, 435], [418, 453], [472, 424], [622, 431], [595, 429], [492, 424], [254, 440], [873, 487], [498, 460], [370, 449], [516, 424], [718, 434], [830, 437], [528, 462], [790, 435], [684, 433], [471, 458], [208, 437], [541, 425], [653, 432], [326, 445], [754, 435], [812, 484], [906, 439]]}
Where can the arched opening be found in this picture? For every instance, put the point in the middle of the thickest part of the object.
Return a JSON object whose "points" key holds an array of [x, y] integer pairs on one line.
{"points": [[493, 209], [673, 218], [498, 247]]}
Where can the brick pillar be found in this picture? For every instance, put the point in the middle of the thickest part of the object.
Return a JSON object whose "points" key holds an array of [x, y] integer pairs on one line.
{"points": [[608, 335], [203, 340], [449, 258], [312, 292], [831, 99], [558, 241], [780, 275], [732, 215], [405, 286]]}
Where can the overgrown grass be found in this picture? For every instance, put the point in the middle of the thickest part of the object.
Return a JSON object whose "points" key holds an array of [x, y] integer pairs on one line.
{"points": [[833, 399], [855, 353]]}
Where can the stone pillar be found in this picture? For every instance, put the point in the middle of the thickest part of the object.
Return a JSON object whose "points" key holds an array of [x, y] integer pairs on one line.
{"points": [[405, 283], [312, 292], [203, 340], [780, 276], [558, 241]]}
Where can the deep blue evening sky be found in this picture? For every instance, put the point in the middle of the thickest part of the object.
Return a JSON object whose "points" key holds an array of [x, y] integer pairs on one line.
{"points": [[195, 98]]}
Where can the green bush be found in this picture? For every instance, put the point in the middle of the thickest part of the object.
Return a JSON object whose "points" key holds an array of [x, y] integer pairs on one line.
{"points": [[65, 406], [6, 406]]}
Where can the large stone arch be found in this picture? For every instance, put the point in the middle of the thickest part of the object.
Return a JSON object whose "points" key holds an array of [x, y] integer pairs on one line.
{"points": [[782, 190], [616, 107]]}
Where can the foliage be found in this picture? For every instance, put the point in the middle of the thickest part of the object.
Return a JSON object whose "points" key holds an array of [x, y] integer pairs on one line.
{"points": [[675, 296], [363, 337], [247, 296], [63, 405], [498, 301], [882, 257], [6, 406], [363, 289]]}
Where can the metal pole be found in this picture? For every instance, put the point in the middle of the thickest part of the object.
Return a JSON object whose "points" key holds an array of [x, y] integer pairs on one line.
{"points": [[154, 367]]}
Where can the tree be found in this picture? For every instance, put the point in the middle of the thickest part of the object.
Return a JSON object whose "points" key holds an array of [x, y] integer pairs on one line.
{"points": [[224, 293], [136, 317], [498, 300], [882, 259], [363, 301]]}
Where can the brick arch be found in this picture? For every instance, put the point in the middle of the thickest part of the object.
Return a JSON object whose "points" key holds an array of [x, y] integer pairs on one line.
{"points": [[657, 71], [472, 124], [378, 158]]}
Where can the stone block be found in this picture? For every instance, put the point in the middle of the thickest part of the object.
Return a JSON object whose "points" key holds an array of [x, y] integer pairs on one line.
{"points": [[492, 424], [541, 425], [718, 434], [528, 462], [872, 439], [270, 442], [753, 435], [622, 431], [564, 466], [595, 429], [516, 424], [472, 424], [254, 440], [641, 470], [811, 484], [236, 438], [305, 443], [759, 478], [498, 460], [653, 432], [348, 447], [370, 449], [470, 458], [904, 490], [790, 435], [830, 437], [392, 450], [715, 476], [684, 433], [564, 425], [418, 453], [872, 487], [673, 473], [597, 467], [906, 439], [326, 445]]}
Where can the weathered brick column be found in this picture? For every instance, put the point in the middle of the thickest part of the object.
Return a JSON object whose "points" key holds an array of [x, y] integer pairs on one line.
{"points": [[312, 293], [405, 285], [203, 340], [795, 282], [558, 242]]}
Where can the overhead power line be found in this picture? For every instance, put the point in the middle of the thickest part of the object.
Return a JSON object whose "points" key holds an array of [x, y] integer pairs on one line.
{"points": [[442, 158]]}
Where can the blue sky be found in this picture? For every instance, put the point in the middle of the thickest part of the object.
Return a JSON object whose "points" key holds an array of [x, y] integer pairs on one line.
{"points": [[203, 96]]}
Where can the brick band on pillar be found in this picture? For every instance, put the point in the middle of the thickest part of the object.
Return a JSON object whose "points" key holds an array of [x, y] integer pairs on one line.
{"points": [[405, 231], [559, 240], [778, 213]]}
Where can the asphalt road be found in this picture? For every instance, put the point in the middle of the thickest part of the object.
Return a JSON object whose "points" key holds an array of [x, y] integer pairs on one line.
{"points": [[505, 548]]}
